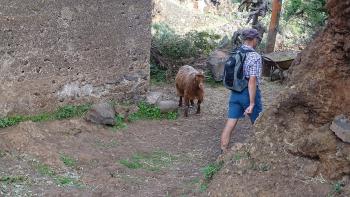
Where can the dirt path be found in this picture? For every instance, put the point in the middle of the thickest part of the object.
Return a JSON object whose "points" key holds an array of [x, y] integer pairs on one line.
{"points": [[148, 158]]}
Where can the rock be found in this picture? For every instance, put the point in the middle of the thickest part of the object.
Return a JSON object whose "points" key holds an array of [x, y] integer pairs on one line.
{"points": [[125, 110], [101, 113], [216, 62], [341, 127], [277, 74], [285, 74], [346, 180], [167, 106], [153, 97], [237, 146], [310, 168], [225, 43]]}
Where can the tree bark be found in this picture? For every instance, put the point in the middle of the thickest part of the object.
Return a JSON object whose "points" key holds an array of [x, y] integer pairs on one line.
{"points": [[275, 17]]}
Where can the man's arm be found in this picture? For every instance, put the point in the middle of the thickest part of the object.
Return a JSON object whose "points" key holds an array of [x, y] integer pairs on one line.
{"points": [[252, 93], [252, 83]]}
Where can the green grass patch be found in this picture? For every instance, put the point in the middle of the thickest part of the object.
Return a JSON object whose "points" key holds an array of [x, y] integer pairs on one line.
{"points": [[203, 187], [45, 170], [154, 161], [210, 170], [68, 160], [11, 121], [106, 144], [71, 111], [65, 180], [119, 123], [151, 112], [145, 112], [12, 179], [261, 167], [61, 180], [132, 164], [64, 112]]}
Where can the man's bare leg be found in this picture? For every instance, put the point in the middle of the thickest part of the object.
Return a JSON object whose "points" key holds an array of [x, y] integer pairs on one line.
{"points": [[227, 132]]}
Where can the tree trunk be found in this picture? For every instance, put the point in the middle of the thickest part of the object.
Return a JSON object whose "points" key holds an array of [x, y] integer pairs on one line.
{"points": [[275, 17]]}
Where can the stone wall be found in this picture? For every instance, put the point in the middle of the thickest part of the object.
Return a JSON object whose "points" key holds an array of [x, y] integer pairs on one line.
{"points": [[56, 52]]}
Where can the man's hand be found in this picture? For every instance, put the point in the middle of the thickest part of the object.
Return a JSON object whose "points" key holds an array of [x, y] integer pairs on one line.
{"points": [[249, 109], [252, 93]]}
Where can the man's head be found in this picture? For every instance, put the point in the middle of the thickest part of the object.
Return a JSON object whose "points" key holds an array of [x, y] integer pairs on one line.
{"points": [[251, 37]]}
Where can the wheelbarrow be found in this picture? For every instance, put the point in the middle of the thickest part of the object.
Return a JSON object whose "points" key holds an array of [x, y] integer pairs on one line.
{"points": [[277, 62]]}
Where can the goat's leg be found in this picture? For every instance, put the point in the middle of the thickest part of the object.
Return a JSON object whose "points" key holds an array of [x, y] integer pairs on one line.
{"points": [[187, 106], [192, 103], [199, 107], [180, 101]]}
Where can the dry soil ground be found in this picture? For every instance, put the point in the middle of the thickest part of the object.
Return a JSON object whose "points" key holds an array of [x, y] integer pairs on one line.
{"points": [[148, 158]]}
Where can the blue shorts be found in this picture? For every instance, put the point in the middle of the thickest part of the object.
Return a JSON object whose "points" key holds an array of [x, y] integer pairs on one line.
{"points": [[239, 102]]}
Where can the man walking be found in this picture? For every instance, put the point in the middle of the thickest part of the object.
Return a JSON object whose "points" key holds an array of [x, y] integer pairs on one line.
{"points": [[247, 102]]}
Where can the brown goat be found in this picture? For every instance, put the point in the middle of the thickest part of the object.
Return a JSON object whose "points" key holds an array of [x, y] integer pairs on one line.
{"points": [[190, 85]]}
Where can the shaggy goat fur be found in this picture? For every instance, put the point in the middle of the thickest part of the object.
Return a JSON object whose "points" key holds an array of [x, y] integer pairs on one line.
{"points": [[190, 85]]}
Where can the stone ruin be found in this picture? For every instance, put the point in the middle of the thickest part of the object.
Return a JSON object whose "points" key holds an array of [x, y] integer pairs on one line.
{"points": [[67, 52]]}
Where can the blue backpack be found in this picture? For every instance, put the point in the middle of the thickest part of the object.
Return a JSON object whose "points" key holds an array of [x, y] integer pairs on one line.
{"points": [[233, 77]]}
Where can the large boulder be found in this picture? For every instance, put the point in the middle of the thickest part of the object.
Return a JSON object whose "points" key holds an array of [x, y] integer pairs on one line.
{"points": [[216, 63], [341, 127], [153, 97], [167, 106], [101, 113]]}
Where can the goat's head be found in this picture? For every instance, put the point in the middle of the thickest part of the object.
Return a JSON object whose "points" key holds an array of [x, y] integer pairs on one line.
{"points": [[199, 80]]}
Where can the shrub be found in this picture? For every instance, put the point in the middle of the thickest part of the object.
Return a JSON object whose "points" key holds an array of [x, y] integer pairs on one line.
{"points": [[210, 170], [175, 46], [313, 11], [158, 74]]}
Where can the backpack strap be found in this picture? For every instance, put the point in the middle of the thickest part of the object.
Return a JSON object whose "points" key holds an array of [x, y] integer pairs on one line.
{"points": [[244, 55], [240, 49], [245, 50]]}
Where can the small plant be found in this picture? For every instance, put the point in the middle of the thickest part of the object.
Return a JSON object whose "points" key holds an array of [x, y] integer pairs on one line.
{"points": [[68, 160], [2, 153], [12, 179], [133, 164], [45, 170], [119, 122], [64, 180], [154, 161], [203, 187], [237, 157], [262, 167], [210, 170], [337, 188], [171, 115]]}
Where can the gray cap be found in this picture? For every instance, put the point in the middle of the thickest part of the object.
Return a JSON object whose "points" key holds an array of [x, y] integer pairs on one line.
{"points": [[250, 34]]}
